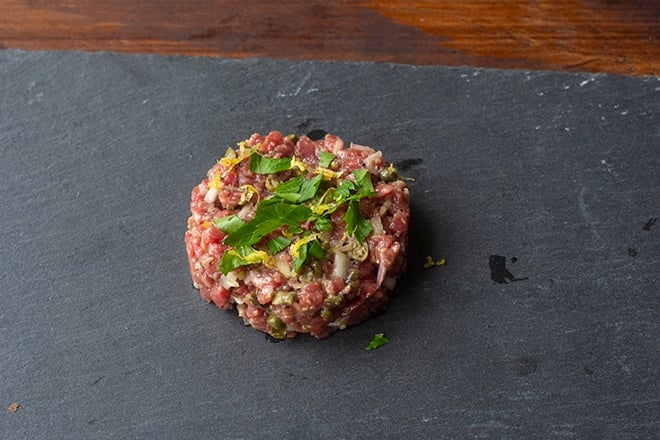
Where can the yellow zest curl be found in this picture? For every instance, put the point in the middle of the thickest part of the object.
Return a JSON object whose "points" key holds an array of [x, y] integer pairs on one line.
{"points": [[295, 247], [248, 192]]}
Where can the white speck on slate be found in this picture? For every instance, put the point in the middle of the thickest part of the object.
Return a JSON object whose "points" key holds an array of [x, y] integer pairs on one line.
{"points": [[625, 112], [587, 81], [144, 101], [605, 166], [37, 98]]}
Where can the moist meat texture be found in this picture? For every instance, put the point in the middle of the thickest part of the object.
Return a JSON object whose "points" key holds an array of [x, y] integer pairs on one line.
{"points": [[298, 235]]}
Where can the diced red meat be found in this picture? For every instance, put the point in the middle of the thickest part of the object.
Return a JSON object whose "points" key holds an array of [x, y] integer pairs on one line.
{"points": [[319, 298]]}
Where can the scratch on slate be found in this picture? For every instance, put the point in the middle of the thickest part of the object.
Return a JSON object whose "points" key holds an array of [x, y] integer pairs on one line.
{"points": [[97, 381], [298, 89], [648, 224], [584, 211]]}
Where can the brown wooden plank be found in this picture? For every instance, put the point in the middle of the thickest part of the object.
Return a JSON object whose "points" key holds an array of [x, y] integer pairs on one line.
{"points": [[570, 35]]}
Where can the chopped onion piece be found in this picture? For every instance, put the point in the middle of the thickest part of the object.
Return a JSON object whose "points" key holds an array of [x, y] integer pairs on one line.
{"points": [[360, 147], [211, 195], [283, 266], [205, 259], [371, 161], [386, 206], [377, 225], [243, 214], [382, 271], [228, 281], [339, 322], [341, 265]]}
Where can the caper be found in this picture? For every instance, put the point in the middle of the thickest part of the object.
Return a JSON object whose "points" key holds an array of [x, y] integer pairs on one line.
{"points": [[291, 138], [326, 314], [389, 174], [252, 299], [333, 301], [306, 274], [317, 267], [277, 327], [284, 298]]}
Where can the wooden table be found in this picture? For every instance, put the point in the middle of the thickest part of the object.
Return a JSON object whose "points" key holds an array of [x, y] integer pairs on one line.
{"points": [[615, 36]]}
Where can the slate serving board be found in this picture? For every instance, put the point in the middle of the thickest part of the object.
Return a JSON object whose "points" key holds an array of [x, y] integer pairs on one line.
{"points": [[539, 189]]}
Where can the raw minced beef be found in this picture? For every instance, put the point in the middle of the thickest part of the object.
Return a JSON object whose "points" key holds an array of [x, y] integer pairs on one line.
{"points": [[300, 236]]}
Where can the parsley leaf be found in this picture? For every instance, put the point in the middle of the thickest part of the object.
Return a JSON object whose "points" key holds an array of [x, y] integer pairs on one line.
{"points": [[289, 188], [315, 250], [325, 159], [265, 165], [310, 249], [309, 188], [378, 340], [343, 191], [300, 259], [364, 186], [228, 224], [356, 225], [278, 244], [323, 224], [294, 229], [270, 215], [241, 256], [298, 189]]}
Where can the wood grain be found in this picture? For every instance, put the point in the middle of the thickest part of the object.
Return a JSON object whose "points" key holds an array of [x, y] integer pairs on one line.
{"points": [[569, 35]]}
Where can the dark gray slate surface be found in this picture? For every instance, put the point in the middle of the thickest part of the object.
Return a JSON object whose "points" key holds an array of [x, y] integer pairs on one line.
{"points": [[103, 337]]}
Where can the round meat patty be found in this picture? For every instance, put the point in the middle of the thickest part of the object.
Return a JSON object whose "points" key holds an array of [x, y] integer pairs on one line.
{"points": [[300, 236]]}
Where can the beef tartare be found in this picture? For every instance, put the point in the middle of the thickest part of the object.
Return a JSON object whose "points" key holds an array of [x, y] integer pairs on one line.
{"points": [[299, 235]]}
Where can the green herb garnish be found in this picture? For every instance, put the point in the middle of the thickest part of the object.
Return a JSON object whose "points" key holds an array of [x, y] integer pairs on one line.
{"points": [[298, 189], [364, 186], [295, 204], [278, 244], [265, 165], [323, 224], [316, 250], [325, 159], [356, 225], [271, 214], [310, 249], [300, 258], [378, 340], [229, 224], [241, 256], [343, 191]]}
